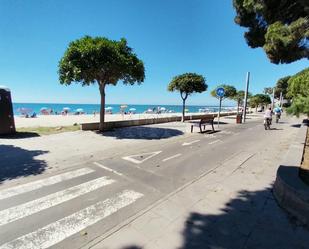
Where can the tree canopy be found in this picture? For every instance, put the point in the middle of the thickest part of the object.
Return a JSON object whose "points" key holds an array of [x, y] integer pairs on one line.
{"points": [[89, 60], [280, 27], [239, 98], [298, 90], [299, 84], [230, 91], [259, 99], [268, 90], [282, 87], [99, 60], [187, 84]]}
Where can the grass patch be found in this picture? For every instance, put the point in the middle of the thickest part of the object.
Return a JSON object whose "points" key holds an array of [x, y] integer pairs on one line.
{"points": [[304, 168], [49, 130]]}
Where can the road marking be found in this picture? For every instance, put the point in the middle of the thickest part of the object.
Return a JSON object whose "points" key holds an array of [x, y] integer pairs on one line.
{"points": [[6, 193], [189, 143], [108, 169], [57, 231], [35, 206], [172, 157], [216, 141], [140, 158]]}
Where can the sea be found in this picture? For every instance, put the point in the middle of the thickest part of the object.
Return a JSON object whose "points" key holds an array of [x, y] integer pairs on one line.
{"points": [[115, 108]]}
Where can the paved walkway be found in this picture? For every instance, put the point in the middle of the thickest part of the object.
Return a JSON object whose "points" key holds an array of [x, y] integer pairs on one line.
{"points": [[229, 207]]}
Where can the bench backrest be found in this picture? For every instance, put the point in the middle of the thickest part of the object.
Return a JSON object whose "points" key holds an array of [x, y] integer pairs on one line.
{"points": [[207, 119]]}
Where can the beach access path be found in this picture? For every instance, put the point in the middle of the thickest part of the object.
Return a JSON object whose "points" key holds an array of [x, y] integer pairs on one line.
{"points": [[155, 186]]}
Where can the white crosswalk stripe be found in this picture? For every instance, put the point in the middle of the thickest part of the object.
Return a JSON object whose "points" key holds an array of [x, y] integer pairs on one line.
{"points": [[32, 207], [58, 231], [6, 193]]}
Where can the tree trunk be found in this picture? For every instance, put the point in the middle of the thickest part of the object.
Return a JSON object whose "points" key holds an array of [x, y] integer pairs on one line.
{"points": [[184, 97], [102, 108], [183, 110], [238, 106]]}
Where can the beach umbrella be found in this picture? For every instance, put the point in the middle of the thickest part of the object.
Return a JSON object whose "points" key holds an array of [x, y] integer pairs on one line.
{"points": [[79, 109], [24, 110], [132, 109], [109, 108], [123, 106], [66, 108], [163, 109], [43, 109]]}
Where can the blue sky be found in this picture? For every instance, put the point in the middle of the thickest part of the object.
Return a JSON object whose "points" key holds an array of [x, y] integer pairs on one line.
{"points": [[171, 37]]}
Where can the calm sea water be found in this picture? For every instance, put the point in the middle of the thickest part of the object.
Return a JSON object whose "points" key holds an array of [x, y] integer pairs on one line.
{"points": [[90, 108]]}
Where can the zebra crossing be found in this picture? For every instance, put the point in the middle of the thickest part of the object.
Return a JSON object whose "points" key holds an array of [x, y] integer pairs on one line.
{"points": [[58, 230]]}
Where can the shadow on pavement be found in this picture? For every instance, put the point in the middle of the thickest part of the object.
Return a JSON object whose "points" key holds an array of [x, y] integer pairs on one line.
{"points": [[296, 125], [132, 247], [20, 135], [17, 162], [249, 220], [210, 131], [142, 132]]}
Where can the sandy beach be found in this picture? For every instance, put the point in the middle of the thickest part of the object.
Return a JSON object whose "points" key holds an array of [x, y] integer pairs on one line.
{"points": [[67, 120]]}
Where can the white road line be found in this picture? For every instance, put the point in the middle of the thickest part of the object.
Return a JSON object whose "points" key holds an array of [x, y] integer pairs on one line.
{"points": [[35, 206], [56, 232], [172, 157], [6, 193], [189, 143], [216, 141], [144, 156], [108, 169]]}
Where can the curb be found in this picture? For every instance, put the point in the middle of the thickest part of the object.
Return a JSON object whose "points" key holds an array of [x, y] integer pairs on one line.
{"points": [[291, 193]]}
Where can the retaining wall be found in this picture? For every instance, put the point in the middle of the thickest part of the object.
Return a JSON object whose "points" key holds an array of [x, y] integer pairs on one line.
{"points": [[290, 191], [148, 121]]}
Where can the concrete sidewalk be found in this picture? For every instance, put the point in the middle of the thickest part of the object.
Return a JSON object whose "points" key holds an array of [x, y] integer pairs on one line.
{"points": [[229, 207]]}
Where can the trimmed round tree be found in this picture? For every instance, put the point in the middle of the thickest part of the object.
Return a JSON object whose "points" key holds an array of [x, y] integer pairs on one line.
{"points": [[187, 84], [98, 60], [259, 99], [239, 98], [229, 91]]}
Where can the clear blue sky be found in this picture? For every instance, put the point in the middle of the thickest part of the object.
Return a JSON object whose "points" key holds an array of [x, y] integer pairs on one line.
{"points": [[170, 36]]}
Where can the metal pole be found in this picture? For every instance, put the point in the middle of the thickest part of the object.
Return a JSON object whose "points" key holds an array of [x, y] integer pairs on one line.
{"points": [[273, 101], [246, 98], [220, 102], [281, 99]]}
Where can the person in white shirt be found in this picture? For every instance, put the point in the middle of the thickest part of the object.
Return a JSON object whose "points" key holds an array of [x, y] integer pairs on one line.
{"points": [[268, 113], [268, 118]]}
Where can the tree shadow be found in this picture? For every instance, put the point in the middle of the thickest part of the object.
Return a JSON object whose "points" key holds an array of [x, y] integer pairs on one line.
{"points": [[142, 132], [17, 162], [20, 135], [251, 220]]}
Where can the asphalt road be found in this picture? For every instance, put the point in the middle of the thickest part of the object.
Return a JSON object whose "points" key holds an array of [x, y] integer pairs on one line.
{"points": [[72, 208]]}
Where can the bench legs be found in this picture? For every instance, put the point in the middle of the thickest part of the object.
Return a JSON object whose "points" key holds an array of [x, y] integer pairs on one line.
{"points": [[212, 125], [204, 126]]}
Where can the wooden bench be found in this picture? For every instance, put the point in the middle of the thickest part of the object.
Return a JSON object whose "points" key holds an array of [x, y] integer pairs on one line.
{"points": [[203, 122]]}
